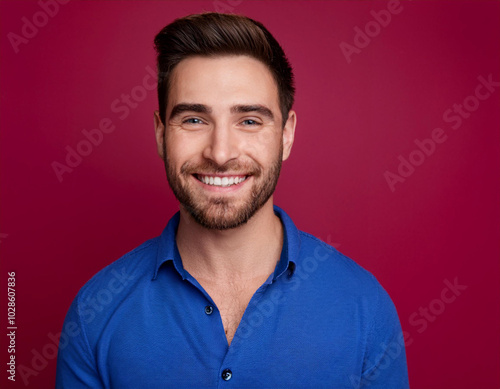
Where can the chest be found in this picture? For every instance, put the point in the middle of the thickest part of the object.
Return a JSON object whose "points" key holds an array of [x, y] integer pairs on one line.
{"points": [[174, 342], [231, 301]]}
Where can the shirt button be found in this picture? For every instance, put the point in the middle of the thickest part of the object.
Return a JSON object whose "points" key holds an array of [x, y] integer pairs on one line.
{"points": [[209, 309], [227, 374]]}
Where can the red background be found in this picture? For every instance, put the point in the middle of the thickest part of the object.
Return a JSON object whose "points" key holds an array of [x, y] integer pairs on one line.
{"points": [[354, 121]]}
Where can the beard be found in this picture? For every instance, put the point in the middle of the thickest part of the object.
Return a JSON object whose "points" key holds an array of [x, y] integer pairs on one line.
{"points": [[223, 212]]}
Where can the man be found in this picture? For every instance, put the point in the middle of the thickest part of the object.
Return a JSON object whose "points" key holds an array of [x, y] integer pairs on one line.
{"points": [[231, 294]]}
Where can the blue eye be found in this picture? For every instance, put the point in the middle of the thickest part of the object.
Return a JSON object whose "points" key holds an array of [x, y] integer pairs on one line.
{"points": [[193, 121], [250, 122]]}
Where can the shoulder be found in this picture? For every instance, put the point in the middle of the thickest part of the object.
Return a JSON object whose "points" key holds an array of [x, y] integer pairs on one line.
{"points": [[335, 274], [104, 293], [339, 278], [121, 274], [334, 265]]}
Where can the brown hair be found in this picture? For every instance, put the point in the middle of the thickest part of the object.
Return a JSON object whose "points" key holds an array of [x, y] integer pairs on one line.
{"points": [[213, 34]]}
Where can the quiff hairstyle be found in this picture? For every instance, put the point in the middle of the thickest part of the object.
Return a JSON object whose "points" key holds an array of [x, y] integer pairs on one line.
{"points": [[214, 34]]}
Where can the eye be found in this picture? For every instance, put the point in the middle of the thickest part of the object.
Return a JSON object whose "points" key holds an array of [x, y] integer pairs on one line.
{"points": [[250, 122], [192, 121]]}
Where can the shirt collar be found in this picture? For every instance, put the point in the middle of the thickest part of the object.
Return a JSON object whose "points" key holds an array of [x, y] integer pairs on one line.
{"points": [[168, 251]]}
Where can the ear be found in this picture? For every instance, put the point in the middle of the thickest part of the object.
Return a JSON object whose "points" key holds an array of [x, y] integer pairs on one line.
{"points": [[159, 134], [289, 134]]}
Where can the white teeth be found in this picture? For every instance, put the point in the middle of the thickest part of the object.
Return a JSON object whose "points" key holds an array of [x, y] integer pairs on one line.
{"points": [[218, 181]]}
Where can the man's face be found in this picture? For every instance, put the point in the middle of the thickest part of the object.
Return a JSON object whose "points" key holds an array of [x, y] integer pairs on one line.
{"points": [[223, 142]]}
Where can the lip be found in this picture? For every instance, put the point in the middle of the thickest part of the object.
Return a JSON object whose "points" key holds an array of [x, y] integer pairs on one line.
{"points": [[220, 175], [221, 189]]}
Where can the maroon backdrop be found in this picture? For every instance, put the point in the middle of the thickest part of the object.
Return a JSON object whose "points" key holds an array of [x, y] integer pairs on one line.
{"points": [[395, 161]]}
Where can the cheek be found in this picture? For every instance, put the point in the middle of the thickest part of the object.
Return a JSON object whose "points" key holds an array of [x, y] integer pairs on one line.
{"points": [[182, 149], [262, 144]]}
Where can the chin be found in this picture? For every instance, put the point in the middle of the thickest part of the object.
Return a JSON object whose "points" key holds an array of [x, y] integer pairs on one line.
{"points": [[221, 216]]}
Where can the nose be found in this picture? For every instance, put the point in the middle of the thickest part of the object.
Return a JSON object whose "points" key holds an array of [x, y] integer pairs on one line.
{"points": [[222, 145]]}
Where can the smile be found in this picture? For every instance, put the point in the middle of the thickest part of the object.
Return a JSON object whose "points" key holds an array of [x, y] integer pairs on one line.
{"points": [[221, 181]]}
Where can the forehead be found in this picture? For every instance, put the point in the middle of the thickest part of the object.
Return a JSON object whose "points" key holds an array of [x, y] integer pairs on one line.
{"points": [[221, 80]]}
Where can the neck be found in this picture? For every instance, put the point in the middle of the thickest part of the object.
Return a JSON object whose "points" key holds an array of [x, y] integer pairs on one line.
{"points": [[248, 251]]}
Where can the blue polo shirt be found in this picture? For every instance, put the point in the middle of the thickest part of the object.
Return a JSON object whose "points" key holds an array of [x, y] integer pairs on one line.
{"points": [[319, 321]]}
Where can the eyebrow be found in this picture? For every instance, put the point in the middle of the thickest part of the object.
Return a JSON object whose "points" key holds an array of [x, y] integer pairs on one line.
{"points": [[183, 107], [201, 108], [253, 108]]}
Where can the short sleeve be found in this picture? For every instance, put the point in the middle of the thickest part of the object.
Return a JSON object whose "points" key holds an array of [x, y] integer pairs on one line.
{"points": [[76, 367]]}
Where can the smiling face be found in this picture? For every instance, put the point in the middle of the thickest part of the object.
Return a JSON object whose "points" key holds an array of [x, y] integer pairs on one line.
{"points": [[223, 142]]}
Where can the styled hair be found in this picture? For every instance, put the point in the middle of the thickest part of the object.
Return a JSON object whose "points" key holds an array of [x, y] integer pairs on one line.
{"points": [[216, 34]]}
